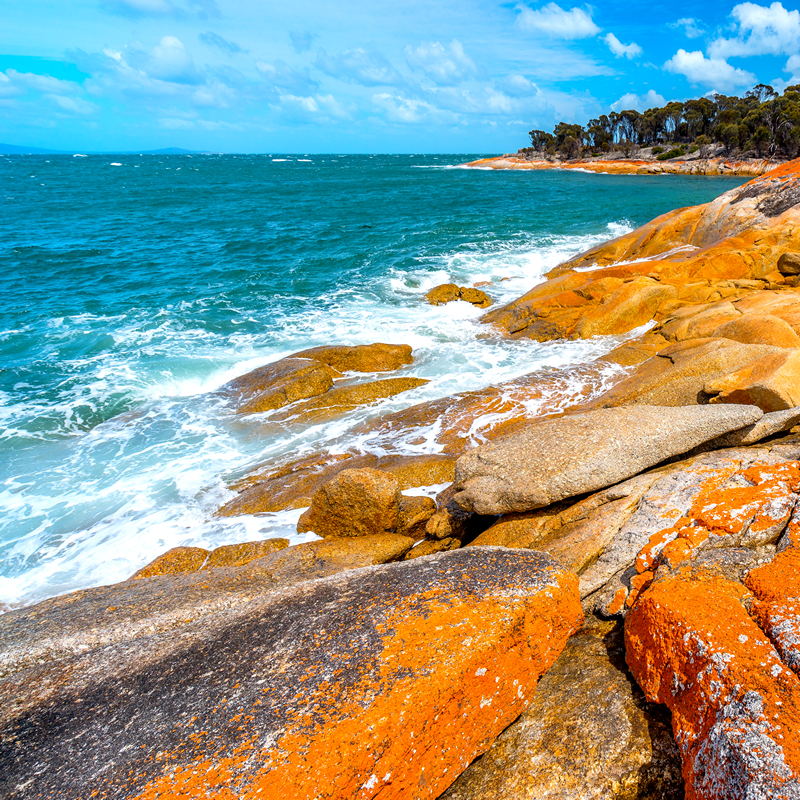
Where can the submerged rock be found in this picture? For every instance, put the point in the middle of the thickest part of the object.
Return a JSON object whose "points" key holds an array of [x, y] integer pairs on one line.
{"points": [[588, 734], [335, 687], [553, 459], [278, 384]]}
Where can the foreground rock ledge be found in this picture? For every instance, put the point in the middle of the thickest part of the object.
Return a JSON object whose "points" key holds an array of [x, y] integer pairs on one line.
{"points": [[385, 681]]}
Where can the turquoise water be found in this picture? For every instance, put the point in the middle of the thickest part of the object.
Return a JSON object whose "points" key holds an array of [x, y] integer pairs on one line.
{"points": [[135, 285]]}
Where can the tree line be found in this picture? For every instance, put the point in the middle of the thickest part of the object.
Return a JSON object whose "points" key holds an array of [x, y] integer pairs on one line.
{"points": [[764, 122]]}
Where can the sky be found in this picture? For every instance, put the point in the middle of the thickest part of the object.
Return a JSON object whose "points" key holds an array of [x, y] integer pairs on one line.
{"points": [[365, 76]]}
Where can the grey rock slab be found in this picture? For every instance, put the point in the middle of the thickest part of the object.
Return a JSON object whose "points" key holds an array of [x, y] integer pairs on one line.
{"points": [[553, 459], [261, 699], [770, 424]]}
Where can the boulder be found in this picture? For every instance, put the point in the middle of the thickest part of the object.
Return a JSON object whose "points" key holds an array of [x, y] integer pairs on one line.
{"points": [[691, 322], [691, 644], [588, 734], [759, 329], [770, 424], [268, 489], [278, 384], [377, 357], [340, 399], [448, 292], [789, 263], [413, 515], [772, 383], [558, 458], [356, 502], [335, 687]]}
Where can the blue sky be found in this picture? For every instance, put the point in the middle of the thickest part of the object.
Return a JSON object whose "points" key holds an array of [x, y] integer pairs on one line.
{"points": [[365, 75]]}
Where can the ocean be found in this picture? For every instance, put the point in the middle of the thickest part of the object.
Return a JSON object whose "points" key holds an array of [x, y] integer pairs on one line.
{"points": [[135, 286]]}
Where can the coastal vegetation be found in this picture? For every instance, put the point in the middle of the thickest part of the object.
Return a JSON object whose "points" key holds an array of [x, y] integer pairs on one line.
{"points": [[760, 124]]}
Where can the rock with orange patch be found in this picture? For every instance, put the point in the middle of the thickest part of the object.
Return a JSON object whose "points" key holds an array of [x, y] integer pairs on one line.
{"points": [[691, 644], [759, 329], [771, 383], [377, 357], [357, 502], [588, 734], [278, 384], [430, 546], [776, 587], [385, 683], [448, 292], [176, 560]]}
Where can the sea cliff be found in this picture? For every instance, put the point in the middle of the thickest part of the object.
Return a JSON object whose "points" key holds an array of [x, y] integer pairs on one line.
{"points": [[600, 601]]}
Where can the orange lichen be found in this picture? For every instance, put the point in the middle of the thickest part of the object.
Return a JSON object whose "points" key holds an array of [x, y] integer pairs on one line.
{"points": [[453, 672], [691, 644], [675, 552]]}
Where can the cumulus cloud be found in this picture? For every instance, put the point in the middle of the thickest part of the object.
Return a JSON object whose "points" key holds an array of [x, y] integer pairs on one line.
{"points": [[302, 40], [639, 102], [692, 27], [218, 42], [365, 67], [73, 105], [162, 8], [557, 22], [761, 30], [409, 111], [715, 72], [516, 85], [170, 61], [618, 49], [41, 83], [443, 65], [281, 75], [311, 109]]}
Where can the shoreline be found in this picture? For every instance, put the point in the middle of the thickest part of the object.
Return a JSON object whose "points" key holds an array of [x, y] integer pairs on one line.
{"points": [[640, 523], [709, 166]]}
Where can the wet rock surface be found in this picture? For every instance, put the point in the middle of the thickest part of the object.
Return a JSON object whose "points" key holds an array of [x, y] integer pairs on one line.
{"points": [[449, 292], [377, 357], [332, 687]]}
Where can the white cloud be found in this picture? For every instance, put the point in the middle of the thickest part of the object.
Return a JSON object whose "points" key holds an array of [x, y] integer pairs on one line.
{"points": [[409, 111], [162, 8], [74, 105], [517, 85], [618, 49], [280, 74], [557, 22], [368, 68], [444, 65], [761, 30], [311, 109], [692, 27], [170, 61], [639, 102], [715, 72], [41, 83], [793, 65]]}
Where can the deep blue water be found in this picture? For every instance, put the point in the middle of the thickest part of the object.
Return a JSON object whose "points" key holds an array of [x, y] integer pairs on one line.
{"points": [[134, 285]]}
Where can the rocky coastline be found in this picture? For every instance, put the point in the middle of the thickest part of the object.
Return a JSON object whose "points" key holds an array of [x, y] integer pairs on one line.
{"points": [[601, 601], [641, 165]]}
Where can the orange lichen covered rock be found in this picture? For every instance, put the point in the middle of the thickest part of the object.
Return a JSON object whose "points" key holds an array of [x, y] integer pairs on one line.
{"points": [[357, 502], [691, 644], [448, 292], [386, 682], [430, 546], [377, 357], [759, 329], [777, 608], [413, 515], [176, 560]]}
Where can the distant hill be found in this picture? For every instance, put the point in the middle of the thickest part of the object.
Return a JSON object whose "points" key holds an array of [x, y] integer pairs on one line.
{"points": [[19, 150]]}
